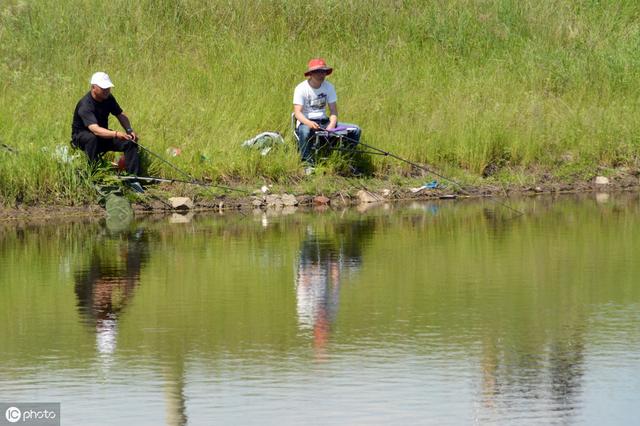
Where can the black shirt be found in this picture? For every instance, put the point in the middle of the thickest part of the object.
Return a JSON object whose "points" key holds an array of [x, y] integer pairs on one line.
{"points": [[89, 111]]}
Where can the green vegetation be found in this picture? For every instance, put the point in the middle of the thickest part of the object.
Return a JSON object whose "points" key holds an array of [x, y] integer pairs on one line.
{"points": [[461, 85]]}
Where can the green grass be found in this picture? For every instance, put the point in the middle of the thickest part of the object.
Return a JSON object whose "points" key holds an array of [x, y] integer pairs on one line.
{"points": [[456, 84]]}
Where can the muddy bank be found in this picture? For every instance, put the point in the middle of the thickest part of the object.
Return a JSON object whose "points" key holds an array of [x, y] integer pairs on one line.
{"points": [[42, 214], [352, 196]]}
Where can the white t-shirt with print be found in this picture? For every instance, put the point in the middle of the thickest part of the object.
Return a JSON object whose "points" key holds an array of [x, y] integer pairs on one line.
{"points": [[314, 101]]}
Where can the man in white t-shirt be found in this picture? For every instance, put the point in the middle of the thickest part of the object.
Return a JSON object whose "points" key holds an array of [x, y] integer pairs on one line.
{"points": [[311, 99]]}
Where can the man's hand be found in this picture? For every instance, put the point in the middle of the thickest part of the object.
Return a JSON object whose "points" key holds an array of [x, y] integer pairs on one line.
{"points": [[313, 125], [132, 134], [126, 137]]}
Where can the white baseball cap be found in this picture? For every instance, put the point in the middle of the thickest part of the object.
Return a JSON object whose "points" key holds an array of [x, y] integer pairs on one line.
{"points": [[102, 80]]}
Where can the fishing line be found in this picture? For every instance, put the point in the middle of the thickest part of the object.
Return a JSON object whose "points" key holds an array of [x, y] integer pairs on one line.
{"points": [[378, 151], [191, 180], [152, 179]]}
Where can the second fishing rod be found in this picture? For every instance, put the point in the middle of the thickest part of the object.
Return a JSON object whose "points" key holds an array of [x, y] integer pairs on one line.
{"points": [[377, 151], [192, 180]]}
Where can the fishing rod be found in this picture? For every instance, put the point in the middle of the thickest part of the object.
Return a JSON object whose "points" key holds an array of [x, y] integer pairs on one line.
{"points": [[191, 180], [154, 179], [377, 151]]}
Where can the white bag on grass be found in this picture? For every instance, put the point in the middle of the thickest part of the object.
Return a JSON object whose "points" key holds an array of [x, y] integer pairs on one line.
{"points": [[264, 142]]}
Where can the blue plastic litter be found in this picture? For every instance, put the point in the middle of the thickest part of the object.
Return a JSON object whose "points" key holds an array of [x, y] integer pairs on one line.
{"points": [[431, 185]]}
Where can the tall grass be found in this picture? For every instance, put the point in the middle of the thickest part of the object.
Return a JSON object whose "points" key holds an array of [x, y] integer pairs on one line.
{"points": [[456, 84]]}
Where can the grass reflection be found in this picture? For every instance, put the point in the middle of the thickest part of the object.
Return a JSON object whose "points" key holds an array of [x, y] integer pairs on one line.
{"points": [[517, 301]]}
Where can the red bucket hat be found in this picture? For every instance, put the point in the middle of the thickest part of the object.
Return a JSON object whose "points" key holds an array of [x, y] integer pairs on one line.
{"points": [[317, 64]]}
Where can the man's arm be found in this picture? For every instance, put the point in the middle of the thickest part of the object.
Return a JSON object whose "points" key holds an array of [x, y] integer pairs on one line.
{"points": [[333, 117], [297, 112], [101, 132], [126, 124], [88, 117]]}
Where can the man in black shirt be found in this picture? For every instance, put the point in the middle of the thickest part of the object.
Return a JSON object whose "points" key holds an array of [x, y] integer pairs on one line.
{"points": [[90, 128]]}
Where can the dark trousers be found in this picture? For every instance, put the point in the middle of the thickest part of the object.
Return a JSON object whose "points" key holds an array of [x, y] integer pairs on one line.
{"points": [[93, 146]]}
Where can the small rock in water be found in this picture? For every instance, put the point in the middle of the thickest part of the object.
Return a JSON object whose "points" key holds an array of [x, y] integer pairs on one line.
{"points": [[181, 203], [289, 200], [367, 197], [321, 200], [601, 180], [273, 200]]}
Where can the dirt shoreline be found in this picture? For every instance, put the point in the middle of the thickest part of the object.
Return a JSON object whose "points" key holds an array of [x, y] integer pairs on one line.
{"points": [[43, 213]]}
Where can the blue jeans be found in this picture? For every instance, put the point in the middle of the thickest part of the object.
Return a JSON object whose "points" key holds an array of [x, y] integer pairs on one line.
{"points": [[305, 137]]}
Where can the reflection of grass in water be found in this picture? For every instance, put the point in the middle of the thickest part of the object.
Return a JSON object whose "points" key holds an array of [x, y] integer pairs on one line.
{"points": [[453, 84], [460, 270]]}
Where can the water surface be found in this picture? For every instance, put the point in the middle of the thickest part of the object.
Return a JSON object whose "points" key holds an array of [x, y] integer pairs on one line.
{"points": [[450, 312]]}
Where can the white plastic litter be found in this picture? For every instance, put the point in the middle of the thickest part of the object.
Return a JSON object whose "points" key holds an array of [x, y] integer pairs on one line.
{"points": [[62, 154], [265, 141]]}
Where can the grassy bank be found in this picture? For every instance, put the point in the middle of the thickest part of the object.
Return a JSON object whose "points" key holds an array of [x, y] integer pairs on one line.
{"points": [[466, 86]]}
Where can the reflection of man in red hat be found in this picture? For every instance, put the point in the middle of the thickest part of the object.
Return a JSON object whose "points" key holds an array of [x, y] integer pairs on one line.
{"points": [[311, 99]]}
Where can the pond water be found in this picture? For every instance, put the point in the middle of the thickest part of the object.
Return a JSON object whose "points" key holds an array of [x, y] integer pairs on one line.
{"points": [[451, 312]]}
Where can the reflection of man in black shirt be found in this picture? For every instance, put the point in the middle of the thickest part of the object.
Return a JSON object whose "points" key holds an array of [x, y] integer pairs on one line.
{"points": [[105, 287]]}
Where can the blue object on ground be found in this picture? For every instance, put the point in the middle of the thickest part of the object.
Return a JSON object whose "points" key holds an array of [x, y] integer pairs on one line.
{"points": [[431, 185]]}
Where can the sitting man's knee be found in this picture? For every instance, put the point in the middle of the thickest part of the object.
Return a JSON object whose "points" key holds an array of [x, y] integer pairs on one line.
{"points": [[129, 145], [84, 138]]}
